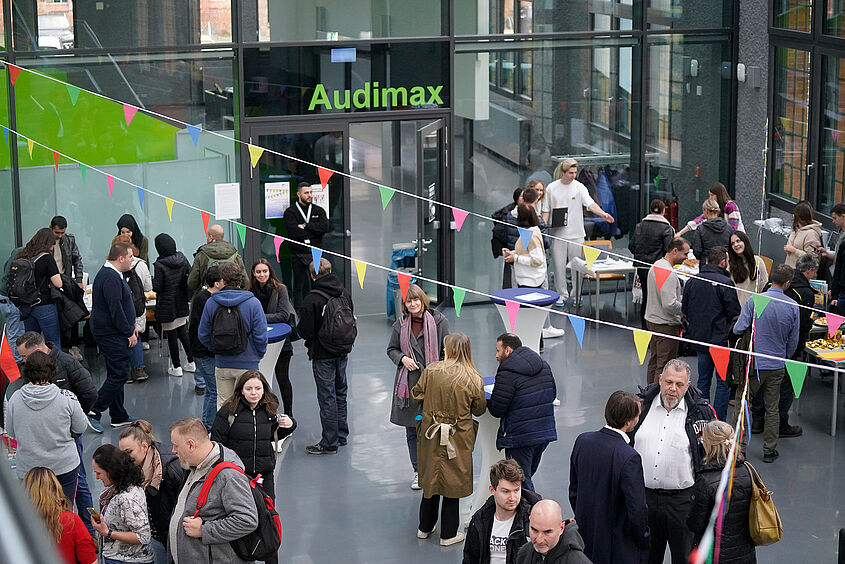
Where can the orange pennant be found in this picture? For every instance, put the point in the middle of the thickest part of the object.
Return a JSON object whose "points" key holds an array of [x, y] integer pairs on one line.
{"points": [[721, 357], [56, 160], [8, 366], [325, 174], [14, 71], [205, 217], [404, 282], [660, 276]]}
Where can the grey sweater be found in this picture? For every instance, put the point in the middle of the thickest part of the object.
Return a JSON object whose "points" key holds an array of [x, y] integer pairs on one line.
{"points": [[41, 419]]}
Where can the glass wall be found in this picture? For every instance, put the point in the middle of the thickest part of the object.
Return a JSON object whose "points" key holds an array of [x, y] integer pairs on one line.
{"points": [[473, 17], [833, 126], [792, 122], [794, 15]]}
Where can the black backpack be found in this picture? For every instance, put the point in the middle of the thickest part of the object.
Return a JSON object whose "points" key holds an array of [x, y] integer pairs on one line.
{"points": [[338, 328], [136, 287], [228, 334], [22, 288]]}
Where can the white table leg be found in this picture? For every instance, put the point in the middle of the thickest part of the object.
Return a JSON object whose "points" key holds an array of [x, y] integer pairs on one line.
{"points": [[528, 326], [267, 365], [834, 414], [598, 296], [488, 427]]}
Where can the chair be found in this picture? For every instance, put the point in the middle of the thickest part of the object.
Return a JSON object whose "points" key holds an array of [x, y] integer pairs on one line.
{"points": [[768, 262], [606, 244]]}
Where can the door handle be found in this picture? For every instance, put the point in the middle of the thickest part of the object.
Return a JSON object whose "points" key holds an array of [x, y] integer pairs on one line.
{"points": [[810, 167], [425, 249], [426, 241]]}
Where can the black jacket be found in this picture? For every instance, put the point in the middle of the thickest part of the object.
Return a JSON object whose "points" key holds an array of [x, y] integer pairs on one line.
{"points": [[162, 501], [317, 226], [568, 550], [280, 310], [513, 231], [250, 435], [477, 545], [713, 232], [736, 544], [170, 284], [699, 412], [311, 313], [708, 307], [71, 259], [522, 398], [499, 240], [837, 283], [651, 239], [197, 305]]}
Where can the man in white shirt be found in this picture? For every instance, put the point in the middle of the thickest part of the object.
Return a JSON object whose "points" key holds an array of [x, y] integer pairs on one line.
{"points": [[563, 211], [668, 439]]}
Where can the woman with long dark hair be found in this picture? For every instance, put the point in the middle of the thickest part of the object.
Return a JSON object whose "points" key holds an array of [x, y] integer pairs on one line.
{"points": [[649, 242], [127, 225], [123, 523], [806, 235], [273, 295], [748, 271], [172, 299], [727, 209], [43, 317]]}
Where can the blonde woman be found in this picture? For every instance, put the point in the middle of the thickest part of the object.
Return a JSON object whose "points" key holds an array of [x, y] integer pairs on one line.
{"points": [[451, 392]]}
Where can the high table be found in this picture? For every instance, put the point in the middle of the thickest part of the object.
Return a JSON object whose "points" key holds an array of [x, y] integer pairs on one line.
{"points": [[276, 334], [606, 266], [814, 353], [488, 427], [529, 320]]}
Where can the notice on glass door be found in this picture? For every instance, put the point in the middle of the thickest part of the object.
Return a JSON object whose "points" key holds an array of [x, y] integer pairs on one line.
{"points": [[227, 201], [320, 197], [276, 199]]}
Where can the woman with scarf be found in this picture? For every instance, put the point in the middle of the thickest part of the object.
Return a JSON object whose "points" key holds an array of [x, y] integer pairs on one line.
{"points": [[127, 225], [162, 479], [172, 299], [416, 342], [451, 392], [273, 295], [123, 521]]}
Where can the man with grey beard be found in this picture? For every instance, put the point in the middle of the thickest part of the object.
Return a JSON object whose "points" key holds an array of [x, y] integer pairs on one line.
{"points": [[668, 439]]}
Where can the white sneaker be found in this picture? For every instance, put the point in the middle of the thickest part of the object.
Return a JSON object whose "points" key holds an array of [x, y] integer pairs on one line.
{"points": [[553, 332], [556, 402], [190, 367], [454, 540], [175, 371], [415, 484], [145, 346]]}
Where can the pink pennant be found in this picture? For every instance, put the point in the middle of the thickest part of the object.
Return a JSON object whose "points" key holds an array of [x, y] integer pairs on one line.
{"points": [[460, 216], [56, 160], [833, 323], [325, 174], [14, 71], [513, 309], [129, 113], [277, 242], [110, 180], [205, 217]]}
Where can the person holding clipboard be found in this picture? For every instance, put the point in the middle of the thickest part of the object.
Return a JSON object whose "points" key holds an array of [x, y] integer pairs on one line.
{"points": [[563, 211]]}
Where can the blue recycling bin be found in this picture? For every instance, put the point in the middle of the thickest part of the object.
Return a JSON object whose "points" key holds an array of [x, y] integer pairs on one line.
{"points": [[404, 257]]}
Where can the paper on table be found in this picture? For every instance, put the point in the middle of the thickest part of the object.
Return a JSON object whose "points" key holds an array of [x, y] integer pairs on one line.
{"points": [[227, 200], [531, 297], [489, 388]]}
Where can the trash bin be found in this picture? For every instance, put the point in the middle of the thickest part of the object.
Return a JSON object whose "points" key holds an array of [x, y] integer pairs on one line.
{"points": [[404, 259]]}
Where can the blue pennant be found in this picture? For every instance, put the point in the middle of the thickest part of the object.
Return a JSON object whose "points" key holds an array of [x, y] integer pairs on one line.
{"points": [[6, 134], [194, 131], [578, 327], [525, 235], [316, 255], [141, 196]]}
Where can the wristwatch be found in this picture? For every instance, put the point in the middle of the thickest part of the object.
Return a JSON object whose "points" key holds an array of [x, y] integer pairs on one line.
{"points": [[108, 534]]}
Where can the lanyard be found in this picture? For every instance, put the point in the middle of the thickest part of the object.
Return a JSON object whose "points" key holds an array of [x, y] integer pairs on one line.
{"points": [[307, 218]]}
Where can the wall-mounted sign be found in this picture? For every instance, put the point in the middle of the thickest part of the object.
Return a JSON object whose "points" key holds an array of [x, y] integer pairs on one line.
{"points": [[372, 96], [276, 199], [320, 197]]}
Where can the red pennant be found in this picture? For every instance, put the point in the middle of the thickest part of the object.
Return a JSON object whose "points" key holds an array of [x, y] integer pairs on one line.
{"points": [[325, 174], [660, 276], [56, 160], [205, 217], [721, 356], [404, 282], [14, 71], [8, 366]]}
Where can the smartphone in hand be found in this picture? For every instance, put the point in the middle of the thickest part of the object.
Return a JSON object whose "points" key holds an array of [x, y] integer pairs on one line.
{"points": [[94, 515]]}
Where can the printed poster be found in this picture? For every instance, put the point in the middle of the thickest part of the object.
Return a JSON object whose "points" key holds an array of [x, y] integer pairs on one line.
{"points": [[276, 199], [227, 201], [320, 197]]}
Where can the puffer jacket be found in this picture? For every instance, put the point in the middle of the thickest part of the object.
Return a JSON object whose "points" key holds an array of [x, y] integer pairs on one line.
{"points": [[171, 287], [736, 545], [713, 232], [477, 545], [651, 238], [162, 500], [710, 308], [522, 397]]}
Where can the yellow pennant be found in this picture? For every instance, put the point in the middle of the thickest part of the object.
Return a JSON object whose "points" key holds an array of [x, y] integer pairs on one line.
{"points": [[254, 154], [30, 144], [169, 203], [590, 255], [641, 340], [361, 267]]}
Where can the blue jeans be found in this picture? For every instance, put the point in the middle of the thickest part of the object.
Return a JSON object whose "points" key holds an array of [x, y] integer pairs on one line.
{"points": [[83, 492], [330, 377], [705, 375], [118, 357], [411, 438], [14, 326], [205, 371], [528, 459], [69, 482], [45, 319], [138, 355], [159, 552]]}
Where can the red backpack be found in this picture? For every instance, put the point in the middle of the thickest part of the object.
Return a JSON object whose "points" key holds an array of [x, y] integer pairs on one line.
{"points": [[265, 540]]}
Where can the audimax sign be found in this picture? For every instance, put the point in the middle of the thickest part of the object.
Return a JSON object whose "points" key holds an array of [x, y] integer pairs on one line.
{"points": [[372, 96]]}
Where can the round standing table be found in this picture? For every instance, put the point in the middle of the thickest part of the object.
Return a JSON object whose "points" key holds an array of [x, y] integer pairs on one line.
{"points": [[488, 427], [529, 320], [276, 335]]}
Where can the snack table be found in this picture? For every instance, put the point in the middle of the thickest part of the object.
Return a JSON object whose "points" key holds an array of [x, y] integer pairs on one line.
{"points": [[836, 357], [276, 334], [529, 320]]}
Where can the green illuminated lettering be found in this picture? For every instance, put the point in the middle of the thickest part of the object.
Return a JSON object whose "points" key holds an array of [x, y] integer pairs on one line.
{"points": [[337, 104], [395, 92], [320, 97], [356, 97], [435, 95], [417, 96]]}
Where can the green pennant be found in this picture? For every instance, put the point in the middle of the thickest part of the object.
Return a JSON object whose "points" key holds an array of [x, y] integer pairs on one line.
{"points": [[73, 92], [242, 232], [458, 295], [760, 303], [84, 170], [386, 195], [797, 372]]}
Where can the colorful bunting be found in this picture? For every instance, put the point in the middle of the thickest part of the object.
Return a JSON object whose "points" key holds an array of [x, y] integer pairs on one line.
{"points": [[513, 310], [641, 340], [205, 218], [29, 146], [578, 326], [361, 267], [242, 232], [660, 276], [525, 236], [404, 280], [14, 71], [590, 255], [460, 216], [194, 132], [721, 358], [8, 366], [277, 243], [254, 154], [6, 135], [386, 195], [110, 181], [760, 303], [129, 112], [73, 92], [325, 174], [169, 203], [833, 323], [458, 295], [797, 372], [140, 196], [56, 160], [83, 169], [316, 255]]}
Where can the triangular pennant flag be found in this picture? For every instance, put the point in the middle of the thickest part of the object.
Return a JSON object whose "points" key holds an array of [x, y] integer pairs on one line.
{"points": [[316, 255], [29, 146], [110, 181], [578, 326], [590, 255], [254, 154], [641, 340], [14, 71], [140, 196], [461, 215], [6, 134], [458, 295], [242, 232], [277, 242], [129, 113], [169, 203], [325, 174], [361, 267], [657, 181], [661, 275], [56, 160], [205, 217], [386, 195], [83, 168], [833, 323], [525, 236], [721, 357], [8, 365], [797, 372], [513, 310], [760, 303], [404, 280], [194, 132], [73, 92]]}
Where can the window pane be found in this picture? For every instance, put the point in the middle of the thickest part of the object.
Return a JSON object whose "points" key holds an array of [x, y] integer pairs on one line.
{"points": [[528, 16], [307, 20], [833, 126], [792, 107], [672, 14], [834, 19], [793, 14], [7, 209]]}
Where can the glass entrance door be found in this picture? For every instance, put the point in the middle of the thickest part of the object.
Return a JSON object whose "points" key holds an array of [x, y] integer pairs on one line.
{"points": [[430, 140]]}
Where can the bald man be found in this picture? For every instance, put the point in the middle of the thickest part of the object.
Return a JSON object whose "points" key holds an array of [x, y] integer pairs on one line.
{"points": [[214, 252], [553, 540]]}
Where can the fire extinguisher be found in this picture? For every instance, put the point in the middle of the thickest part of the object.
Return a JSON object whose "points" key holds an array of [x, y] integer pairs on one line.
{"points": [[673, 213]]}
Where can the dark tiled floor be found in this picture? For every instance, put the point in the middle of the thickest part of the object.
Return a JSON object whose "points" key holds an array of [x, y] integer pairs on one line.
{"points": [[357, 506]]}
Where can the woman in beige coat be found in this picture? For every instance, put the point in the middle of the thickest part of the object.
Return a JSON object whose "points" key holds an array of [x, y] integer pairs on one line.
{"points": [[806, 236], [451, 392]]}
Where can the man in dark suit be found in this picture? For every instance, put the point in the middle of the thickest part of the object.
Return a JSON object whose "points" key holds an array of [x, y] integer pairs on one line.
{"points": [[606, 477]]}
